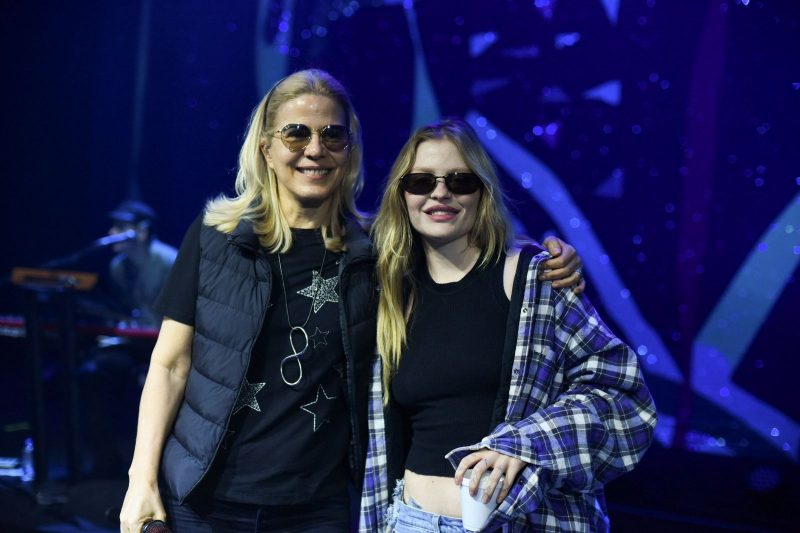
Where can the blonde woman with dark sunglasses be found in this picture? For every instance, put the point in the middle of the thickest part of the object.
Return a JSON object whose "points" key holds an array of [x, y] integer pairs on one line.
{"points": [[484, 366]]}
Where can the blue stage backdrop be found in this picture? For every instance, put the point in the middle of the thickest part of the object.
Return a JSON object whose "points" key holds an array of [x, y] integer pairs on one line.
{"points": [[660, 138]]}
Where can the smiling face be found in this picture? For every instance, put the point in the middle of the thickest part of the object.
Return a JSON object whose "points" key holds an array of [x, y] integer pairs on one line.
{"points": [[441, 218], [307, 178]]}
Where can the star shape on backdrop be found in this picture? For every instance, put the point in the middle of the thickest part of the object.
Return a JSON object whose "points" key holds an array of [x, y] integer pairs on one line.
{"points": [[321, 290], [319, 337], [247, 398], [312, 407]]}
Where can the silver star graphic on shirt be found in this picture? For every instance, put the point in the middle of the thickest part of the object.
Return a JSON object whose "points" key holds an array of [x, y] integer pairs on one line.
{"points": [[319, 337], [314, 406], [321, 290], [247, 398]]}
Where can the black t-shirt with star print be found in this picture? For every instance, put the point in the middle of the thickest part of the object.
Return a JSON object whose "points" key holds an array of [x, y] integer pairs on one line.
{"points": [[285, 444]]}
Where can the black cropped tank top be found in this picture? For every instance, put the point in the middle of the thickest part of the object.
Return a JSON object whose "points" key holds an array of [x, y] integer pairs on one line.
{"points": [[447, 380]]}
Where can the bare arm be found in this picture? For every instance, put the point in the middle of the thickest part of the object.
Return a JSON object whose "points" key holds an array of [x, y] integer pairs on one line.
{"points": [[161, 396], [510, 271]]}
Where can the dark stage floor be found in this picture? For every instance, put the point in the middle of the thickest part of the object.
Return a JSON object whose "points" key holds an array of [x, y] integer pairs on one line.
{"points": [[85, 506]]}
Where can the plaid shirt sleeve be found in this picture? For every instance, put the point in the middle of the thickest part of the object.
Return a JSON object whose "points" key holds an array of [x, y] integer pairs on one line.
{"points": [[579, 412], [375, 492]]}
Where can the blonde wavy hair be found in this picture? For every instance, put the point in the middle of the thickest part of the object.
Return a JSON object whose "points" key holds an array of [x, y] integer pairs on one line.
{"points": [[256, 186], [399, 246]]}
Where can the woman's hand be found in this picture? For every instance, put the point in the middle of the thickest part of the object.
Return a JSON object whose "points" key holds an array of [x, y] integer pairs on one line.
{"points": [[142, 504], [564, 269], [500, 465], [161, 397]]}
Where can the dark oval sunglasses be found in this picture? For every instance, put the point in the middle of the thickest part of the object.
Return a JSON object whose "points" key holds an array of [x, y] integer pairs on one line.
{"points": [[456, 182], [296, 137]]}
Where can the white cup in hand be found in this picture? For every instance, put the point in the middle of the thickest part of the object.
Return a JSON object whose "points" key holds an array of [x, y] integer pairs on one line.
{"points": [[474, 512]]}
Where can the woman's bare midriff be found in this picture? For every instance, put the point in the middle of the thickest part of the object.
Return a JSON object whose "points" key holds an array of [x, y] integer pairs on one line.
{"points": [[434, 494]]}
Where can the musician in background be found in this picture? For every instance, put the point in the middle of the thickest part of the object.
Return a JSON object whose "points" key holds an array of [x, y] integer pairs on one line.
{"points": [[113, 372], [142, 264]]}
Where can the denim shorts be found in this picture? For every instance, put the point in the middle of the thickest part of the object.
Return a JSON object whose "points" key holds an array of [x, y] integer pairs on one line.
{"points": [[411, 518]]}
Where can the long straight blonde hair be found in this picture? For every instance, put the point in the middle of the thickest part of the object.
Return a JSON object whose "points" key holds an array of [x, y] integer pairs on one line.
{"points": [[257, 198], [399, 246]]}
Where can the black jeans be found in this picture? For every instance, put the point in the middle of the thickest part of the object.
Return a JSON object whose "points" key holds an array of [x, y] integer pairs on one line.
{"points": [[331, 515]]}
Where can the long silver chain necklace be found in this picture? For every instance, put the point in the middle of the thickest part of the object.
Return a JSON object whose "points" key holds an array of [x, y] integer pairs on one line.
{"points": [[295, 355]]}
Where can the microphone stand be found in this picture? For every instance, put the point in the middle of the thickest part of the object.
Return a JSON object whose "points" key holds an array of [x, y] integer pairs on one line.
{"points": [[98, 244]]}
